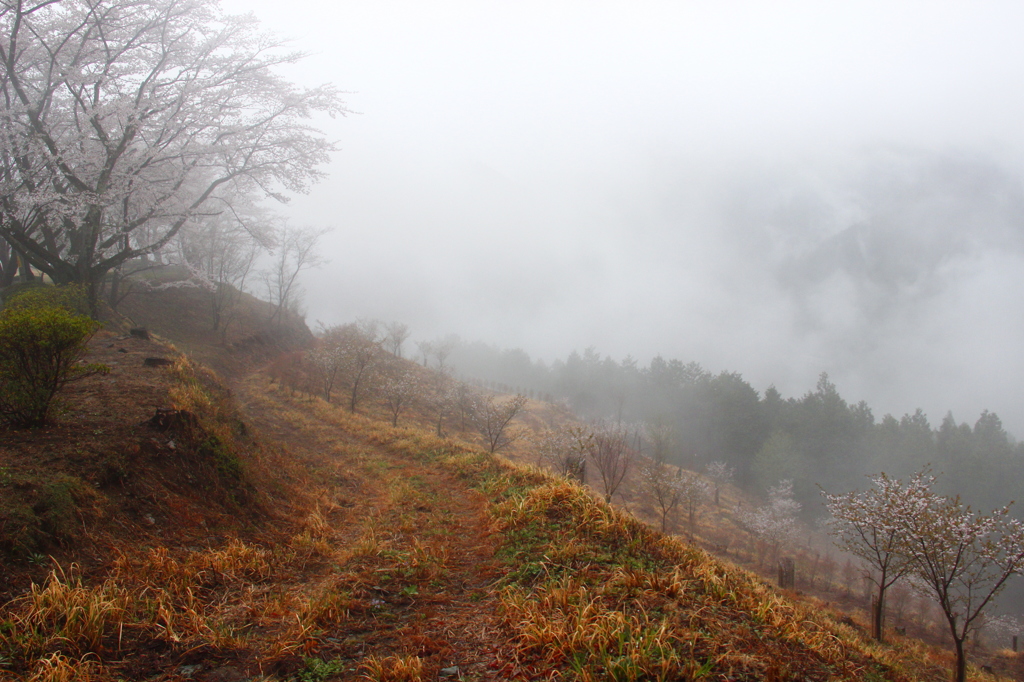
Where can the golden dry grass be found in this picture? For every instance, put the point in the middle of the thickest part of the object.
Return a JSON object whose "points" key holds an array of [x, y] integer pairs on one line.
{"points": [[413, 550]]}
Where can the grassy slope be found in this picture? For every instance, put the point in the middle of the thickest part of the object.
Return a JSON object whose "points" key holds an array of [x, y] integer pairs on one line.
{"points": [[341, 548]]}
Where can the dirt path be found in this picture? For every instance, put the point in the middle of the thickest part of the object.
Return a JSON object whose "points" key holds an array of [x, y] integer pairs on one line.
{"points": [[403, 544]]}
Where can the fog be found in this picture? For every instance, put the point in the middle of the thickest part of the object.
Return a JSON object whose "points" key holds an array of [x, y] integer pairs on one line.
{"points": [[774, 189]]}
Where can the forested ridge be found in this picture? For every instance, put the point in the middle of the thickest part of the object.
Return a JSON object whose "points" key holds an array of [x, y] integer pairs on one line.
{"points": [[818, 439]]}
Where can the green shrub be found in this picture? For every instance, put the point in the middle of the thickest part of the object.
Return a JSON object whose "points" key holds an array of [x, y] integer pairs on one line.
{"points": [[58, 505], [227, 462], [20, 527], [39, 353], [69, 297]]}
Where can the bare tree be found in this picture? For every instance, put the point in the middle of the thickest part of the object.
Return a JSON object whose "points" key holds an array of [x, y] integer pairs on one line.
{"points": [[219, 253], [122, 122], [295, 252], [463, 403], [492, 419], [662, 485], [612, 457], [426, 349], [868, 526], [397, 334], [441, 350]]}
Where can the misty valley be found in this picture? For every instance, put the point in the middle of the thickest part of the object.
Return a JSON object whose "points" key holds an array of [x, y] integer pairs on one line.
{"points": [[264, 423]]}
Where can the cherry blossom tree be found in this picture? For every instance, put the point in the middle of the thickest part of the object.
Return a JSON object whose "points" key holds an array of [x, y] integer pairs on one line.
{"points": [[398, 387], [565, 450], [775, 521], [721, 475], [122, 122], [694, 491], [492, 419], [327, 362], [352, 352], [963, 557], [397, 334], [868, 525], [441, 393]]}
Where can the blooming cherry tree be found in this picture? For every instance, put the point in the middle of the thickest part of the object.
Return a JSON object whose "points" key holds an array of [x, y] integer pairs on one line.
{"points": [[492, 419], [775, 521], [124, 121], [868, 525], [963, 557], [694, 491], [721, 475], [565, 450], [398, 388]]}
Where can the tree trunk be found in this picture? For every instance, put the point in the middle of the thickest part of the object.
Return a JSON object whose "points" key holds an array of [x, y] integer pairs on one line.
{"points": [[878, 612], [26, 270], [115, 289], [353, 397], [92, 292], [960, 673]]}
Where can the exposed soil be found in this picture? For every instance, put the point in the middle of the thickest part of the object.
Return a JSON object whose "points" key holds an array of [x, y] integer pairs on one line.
{"points": [[436, 603]]}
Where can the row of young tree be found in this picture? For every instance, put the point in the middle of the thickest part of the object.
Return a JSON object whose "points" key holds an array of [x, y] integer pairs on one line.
{"points": [[816, 439], [360, 364]]}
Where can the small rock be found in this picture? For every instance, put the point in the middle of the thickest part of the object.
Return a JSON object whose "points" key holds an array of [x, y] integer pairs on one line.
{"points": [[149, 519], [139, 333], [121, 350], [188, 671], [165, 419], [157, 362], [449, 672], [228, 673]]}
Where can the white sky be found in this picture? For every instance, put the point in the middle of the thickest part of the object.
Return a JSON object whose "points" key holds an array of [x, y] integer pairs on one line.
{"points": [[555, 175]]}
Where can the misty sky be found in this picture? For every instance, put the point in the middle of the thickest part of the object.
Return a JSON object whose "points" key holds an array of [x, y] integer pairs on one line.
{"points": [[777, 189]]}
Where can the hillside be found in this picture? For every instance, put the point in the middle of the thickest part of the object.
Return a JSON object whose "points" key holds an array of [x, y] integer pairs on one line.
{"points": [[274, 536]]}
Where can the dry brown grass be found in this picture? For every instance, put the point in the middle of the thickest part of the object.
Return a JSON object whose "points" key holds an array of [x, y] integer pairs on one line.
{"points": [[393, 669], [59, 668], [64, 616], [597, 593], [388, 565]]}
